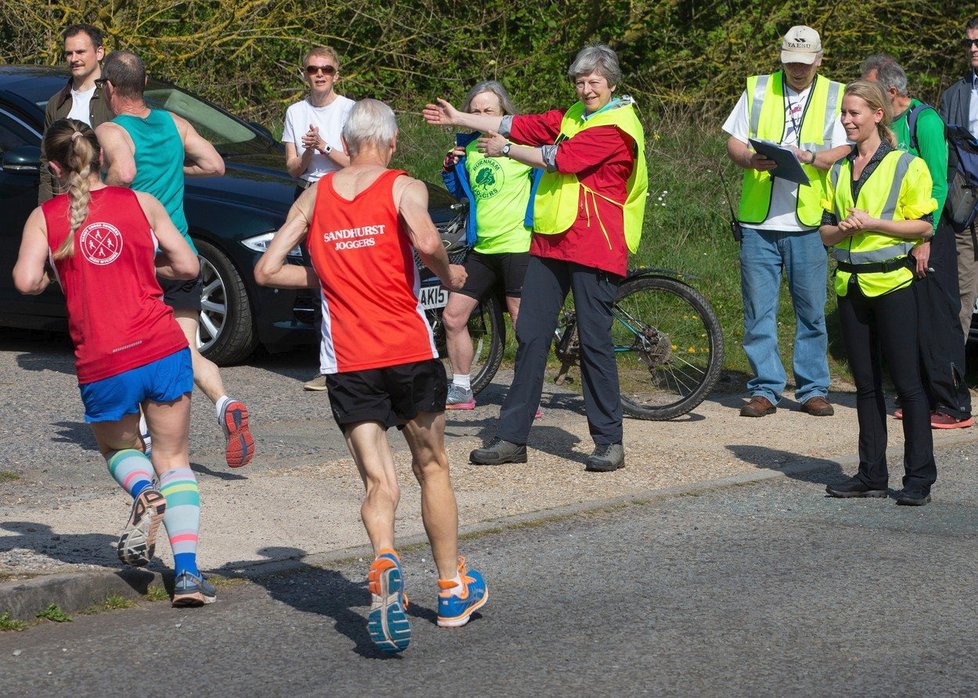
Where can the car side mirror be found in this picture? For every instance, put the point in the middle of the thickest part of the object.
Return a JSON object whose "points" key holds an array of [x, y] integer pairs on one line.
{"points": [[24, 159]]}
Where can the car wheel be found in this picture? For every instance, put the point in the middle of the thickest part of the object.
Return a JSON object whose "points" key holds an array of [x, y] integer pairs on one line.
{"points": [[226, 332]]}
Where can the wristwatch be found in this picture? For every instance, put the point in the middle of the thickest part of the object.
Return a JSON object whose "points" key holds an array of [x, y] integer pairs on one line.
{"points": [[328, 149], [506, 149]]}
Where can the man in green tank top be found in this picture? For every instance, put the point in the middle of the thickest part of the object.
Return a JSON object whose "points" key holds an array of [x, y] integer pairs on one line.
{"points": [[152, 150]]}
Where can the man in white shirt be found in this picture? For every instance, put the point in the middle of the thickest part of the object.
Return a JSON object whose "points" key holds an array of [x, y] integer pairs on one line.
{"points": [[311, 135], [779, 220], [79, 99]]}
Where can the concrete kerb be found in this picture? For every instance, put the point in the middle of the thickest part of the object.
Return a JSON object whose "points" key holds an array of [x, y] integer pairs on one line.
{"points": [[72, 592]]}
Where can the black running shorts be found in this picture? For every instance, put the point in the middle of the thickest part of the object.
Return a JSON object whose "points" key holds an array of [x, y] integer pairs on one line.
{"points": [[182, 294], [391, 396], [487, 271]]}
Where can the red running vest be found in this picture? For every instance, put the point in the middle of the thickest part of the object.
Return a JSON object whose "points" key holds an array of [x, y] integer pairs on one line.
{"points": [[116, 316], [372, 316]]}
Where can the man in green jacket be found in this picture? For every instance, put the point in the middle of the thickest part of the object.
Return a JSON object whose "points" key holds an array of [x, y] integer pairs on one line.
{"points": [[920, 130], [80, 98]]}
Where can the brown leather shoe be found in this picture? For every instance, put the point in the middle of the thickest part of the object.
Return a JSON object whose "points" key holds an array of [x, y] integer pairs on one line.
{"points": [[758, 406], [818, 407]]}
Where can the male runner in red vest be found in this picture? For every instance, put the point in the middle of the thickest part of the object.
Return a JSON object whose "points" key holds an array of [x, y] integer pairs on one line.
{"points": [[360, 224]]}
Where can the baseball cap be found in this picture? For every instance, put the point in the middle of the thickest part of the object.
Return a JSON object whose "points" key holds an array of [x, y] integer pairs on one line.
{"points": [[800, 45]]}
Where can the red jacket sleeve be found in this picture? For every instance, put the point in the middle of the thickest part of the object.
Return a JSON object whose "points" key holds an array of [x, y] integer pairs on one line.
{"points": [[536, 129]]}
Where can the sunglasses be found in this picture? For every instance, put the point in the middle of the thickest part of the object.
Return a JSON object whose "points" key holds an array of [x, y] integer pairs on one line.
{"points": [[325, 69], [100, 82], [968, 43]]}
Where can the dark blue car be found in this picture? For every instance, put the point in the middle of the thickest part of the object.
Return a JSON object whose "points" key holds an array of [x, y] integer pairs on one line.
{"points": [[231, 219]]}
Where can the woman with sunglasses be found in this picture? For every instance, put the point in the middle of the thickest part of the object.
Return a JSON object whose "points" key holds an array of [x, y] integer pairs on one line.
{"points": [[878, 208], [312, 141], [313, 124], [105, 245]]}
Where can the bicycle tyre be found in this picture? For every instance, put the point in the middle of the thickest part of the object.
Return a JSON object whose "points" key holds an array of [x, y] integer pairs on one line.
{"points": [[668, 347], [487, 329]]}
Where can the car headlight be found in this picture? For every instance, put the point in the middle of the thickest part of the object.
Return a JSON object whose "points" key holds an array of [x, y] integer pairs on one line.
{"points": [[260, 243]]}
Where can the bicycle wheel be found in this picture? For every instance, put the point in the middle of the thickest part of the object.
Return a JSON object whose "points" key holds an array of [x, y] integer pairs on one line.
{"points": [[668, 346], [488, 332]]}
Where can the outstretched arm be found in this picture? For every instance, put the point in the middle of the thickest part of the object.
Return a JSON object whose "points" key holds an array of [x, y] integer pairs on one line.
{"points": [[444, 114]]}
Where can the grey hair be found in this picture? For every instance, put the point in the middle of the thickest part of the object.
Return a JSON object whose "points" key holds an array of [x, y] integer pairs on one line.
{"points": [[889, 73], [497, 89], [371, 122], [600, 58]]}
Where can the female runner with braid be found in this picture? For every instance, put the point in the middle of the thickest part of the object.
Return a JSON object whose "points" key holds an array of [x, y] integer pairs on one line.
{"points": [[101, 243]]}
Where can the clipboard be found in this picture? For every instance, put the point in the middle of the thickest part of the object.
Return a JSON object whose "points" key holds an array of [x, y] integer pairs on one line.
{"points": [[788, 166]]}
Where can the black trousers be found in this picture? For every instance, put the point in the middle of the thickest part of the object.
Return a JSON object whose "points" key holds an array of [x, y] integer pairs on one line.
{"points": [[873, 329], [545, 287], [942, 345]]}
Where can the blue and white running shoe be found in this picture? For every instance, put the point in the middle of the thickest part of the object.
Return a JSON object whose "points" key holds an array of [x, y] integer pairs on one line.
{"points": [[456, 607], [388, 623]]}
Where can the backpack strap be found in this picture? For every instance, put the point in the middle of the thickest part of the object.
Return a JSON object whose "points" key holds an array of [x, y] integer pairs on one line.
{"points": [[912, 115]]}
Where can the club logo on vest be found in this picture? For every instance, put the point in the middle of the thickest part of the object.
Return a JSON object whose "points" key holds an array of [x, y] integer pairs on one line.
{"points": [[101, 243], [488, 179]]}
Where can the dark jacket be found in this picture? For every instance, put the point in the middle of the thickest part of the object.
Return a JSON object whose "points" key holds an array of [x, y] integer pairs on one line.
{"points": [[58, 107], [956, 101]]}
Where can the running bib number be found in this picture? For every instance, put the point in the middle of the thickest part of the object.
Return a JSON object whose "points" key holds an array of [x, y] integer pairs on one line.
{"points": [[432, 297]]}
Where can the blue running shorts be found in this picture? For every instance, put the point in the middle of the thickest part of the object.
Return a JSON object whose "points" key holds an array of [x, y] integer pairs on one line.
{"points": [[163, 380]]}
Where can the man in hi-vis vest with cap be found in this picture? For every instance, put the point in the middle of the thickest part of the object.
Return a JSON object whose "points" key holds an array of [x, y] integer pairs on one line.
{"points": [[779, 220]]}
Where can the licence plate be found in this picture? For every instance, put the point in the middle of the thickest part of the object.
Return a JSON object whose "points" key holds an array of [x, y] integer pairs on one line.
{"points": [[433, 297]]}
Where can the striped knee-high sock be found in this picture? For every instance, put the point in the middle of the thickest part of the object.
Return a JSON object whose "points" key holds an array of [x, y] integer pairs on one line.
{"points": [[182, 517], [131, 469]]}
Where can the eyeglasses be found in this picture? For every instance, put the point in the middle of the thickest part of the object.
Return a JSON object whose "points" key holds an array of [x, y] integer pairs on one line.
{"points": [[968, 43], [325, 69]]}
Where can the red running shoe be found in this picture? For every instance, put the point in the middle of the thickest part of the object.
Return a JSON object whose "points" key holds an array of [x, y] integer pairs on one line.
{"points": [[939, 420], [241, 446]]}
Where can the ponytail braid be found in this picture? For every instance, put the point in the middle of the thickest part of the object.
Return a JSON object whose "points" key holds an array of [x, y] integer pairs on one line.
{"points": [[72, 144]]}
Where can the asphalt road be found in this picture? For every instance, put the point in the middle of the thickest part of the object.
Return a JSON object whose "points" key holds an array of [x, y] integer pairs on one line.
{"points": [[763, 589]]}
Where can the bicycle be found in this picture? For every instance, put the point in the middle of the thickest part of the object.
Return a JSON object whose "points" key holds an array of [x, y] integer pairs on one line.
{"points": [[668, 341]]}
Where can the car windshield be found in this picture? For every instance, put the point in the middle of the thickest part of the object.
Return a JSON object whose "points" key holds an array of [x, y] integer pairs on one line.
{"points": [[214, 125]]}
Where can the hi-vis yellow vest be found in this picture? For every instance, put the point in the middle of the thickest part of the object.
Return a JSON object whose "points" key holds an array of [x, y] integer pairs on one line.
{"points": [[556, 202], [766, 102], [898, 189]]}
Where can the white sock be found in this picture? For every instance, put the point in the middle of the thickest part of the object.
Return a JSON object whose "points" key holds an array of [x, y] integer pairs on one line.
{"points": [[462, 380], [219, 406], [457, 589]]}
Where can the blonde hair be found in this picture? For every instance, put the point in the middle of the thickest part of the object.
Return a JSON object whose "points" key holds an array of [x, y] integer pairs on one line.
{"points": [[325, 52], [73, 145], [875, 98]]}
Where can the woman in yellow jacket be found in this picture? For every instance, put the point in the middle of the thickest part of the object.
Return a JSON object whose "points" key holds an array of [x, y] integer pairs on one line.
{"points": [[878, 208]]}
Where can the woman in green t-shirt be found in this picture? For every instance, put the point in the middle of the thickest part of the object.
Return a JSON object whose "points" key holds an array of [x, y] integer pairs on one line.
{"points": [[500, 195]]}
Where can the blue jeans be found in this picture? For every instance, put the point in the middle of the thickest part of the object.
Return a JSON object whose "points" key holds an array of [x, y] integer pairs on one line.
{"points": [[763, 254]]}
